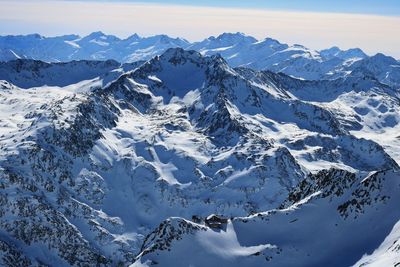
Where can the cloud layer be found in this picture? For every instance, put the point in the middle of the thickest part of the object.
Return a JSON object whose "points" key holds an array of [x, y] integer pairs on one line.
{"points": [[316, 30]]}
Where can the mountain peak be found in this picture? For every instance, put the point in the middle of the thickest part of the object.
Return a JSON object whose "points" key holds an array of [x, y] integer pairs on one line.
{"points": [[335, 51], [179, 56], [100, 35], [167, 40], [97, 34], [330, 51], [177, 53], [379, 57], [230, 35], [100, 39], [352, 53], [133, 37], [270, 42], [355, 50], [235, 37], [35, 36]]}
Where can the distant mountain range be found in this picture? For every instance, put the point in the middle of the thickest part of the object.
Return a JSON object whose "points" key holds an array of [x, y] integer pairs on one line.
{"points": [[237, 49]]}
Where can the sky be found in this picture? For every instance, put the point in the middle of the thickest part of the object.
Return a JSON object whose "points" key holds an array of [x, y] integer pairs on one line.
{"points": [[373, 25]]}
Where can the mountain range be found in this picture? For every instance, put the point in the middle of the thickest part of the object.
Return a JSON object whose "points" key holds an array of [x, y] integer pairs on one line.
{"points": [[238, 49], [225, 152]]}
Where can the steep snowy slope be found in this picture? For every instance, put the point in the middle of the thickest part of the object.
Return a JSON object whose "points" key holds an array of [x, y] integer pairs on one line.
{"points": [[388, 253], [100, 164], [331, 219], [27, 73]]}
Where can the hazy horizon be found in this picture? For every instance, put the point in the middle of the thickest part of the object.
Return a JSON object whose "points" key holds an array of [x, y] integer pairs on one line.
{"points": [[313, 26]]}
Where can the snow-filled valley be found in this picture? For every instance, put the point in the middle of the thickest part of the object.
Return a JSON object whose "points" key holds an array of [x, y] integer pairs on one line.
{"points": [[121, 164]]}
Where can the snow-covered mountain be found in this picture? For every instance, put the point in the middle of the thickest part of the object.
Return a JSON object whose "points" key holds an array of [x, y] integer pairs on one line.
{"points": [[238, 49], [95, 46], [108, 164]]}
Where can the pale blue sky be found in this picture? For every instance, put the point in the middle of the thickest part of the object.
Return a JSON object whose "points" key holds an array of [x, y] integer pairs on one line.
{"points": [[378, 7], [373, 25]]}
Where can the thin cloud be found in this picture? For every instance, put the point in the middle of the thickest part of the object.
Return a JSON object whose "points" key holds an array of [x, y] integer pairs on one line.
{"points": [[316, 30]]}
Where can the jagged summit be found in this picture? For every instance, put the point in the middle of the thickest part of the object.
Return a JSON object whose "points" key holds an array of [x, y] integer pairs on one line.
{"points": [[352, 53], [134, 36], [179, 54], [235, 37], [95, 34], [382, 59], [270, 42]]}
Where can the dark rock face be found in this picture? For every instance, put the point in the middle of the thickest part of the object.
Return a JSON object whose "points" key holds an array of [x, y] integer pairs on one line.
{"points": [[167, 232], [215, 221], [367, 194], [11, 256], [331, 183]]}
